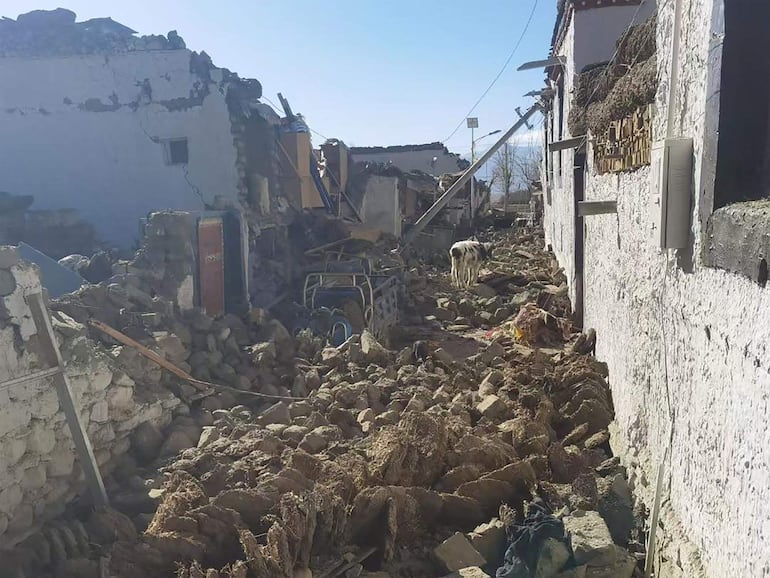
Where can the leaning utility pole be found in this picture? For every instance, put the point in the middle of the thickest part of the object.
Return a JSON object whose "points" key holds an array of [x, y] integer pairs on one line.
{"points": [[431, 213]]}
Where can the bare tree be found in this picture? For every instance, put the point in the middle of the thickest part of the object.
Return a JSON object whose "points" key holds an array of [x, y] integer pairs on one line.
{"points": [[504, 169], [526, 167]]}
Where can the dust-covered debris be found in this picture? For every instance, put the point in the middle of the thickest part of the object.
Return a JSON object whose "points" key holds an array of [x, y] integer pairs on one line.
{"points": [[388, 455]]}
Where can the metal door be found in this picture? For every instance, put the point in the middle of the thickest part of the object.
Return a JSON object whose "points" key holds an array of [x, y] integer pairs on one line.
{"points": [[211, 265]]}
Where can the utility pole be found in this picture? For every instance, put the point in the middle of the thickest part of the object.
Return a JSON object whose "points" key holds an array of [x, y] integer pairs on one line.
{"points": [[473, 123]]}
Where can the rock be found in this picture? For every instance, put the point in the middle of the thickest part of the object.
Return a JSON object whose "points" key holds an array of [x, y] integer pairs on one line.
{"points": [[470, 572], [276, 413], [493, 350], [365, 416], [209, 435], [483, 290], [489, 540], [598, 439], [172, 346], [303, 573], [177, 441], [146, 441], [9, 256], [616, 507], [372, 351], [444, 314], [576, 435], [313, 443], [591, 539], [456, 553], [494, 378], [300, 409], [551, 559], [491, 407], [294, 433], [622, 567], [442, 356], [7, 283]]}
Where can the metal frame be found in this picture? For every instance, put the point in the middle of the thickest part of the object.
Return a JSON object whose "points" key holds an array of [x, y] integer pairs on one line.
{"points": [[49, 352]]}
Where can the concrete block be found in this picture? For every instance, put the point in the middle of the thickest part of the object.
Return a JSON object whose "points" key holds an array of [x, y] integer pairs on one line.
{"points": [[491, 407], [456, 553], [489, 540], [591, 539]]}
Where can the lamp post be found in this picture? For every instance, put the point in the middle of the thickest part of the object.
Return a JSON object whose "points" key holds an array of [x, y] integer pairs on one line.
{"points": [[473, 125]]}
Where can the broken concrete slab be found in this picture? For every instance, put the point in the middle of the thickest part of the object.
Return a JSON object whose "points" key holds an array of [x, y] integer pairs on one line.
{"points": [[491, 407], [456, 553], [489, 540], [471, 572]]}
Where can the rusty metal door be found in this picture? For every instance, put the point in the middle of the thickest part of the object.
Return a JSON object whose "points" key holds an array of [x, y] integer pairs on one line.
{"points": [[211, 265]]}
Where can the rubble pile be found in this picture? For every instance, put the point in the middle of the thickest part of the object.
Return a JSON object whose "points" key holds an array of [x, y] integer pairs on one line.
{"points": [[389, 464], [55, 32]]}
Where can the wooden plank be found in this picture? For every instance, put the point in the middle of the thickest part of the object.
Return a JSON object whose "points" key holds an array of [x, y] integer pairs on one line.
{"points": [[203, 386], [211, 265], [49, 352]]}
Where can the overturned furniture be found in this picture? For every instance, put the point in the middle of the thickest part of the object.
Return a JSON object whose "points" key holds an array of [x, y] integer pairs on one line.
{"points": [[354, 284]]}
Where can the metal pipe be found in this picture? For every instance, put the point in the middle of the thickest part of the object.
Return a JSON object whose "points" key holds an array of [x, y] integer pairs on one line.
{"points": [[674, 80], [431, 213]]}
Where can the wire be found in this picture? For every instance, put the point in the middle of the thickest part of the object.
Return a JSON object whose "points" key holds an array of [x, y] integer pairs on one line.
{"points": [[499, 74]]}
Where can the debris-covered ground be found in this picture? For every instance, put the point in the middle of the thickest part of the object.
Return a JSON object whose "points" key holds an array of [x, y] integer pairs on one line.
{"points": [[478, 449]]}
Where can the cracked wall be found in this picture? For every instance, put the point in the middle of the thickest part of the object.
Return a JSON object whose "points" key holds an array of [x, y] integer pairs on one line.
{"points": [[687, 351], [39, 471], [87, 132]]}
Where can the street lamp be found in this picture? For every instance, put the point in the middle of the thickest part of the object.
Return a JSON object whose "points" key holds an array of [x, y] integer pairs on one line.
{"points": [[473, 123]]}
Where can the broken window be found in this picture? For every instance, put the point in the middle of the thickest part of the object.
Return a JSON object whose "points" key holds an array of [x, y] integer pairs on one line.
{"points": [[743, 157], [176, 151]]}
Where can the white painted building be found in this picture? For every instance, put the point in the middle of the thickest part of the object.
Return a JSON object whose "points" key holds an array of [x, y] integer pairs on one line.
{"points": [[684, 331], [116, 126]]}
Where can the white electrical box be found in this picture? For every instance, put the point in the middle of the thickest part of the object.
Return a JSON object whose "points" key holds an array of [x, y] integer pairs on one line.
{"points": [[671, 191]]}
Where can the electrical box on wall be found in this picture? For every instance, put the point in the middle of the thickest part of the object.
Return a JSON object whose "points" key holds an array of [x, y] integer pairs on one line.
{"points": [[671, 191]]}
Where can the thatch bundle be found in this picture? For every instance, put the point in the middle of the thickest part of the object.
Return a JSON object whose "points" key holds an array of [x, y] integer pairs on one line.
{"points": [[606, 93]]}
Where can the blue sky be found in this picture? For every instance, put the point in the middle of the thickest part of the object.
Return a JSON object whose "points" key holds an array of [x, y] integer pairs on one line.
{"points": [[368, 72]]}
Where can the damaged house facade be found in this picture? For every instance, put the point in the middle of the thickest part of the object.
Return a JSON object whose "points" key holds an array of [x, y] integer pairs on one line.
{"points": [[102, 123], [655, 169]]}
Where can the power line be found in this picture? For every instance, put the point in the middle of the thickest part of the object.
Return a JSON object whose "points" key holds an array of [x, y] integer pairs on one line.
{"points": [[499, 74]]}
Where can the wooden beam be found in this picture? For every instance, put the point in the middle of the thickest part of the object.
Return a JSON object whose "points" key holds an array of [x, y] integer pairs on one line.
{"points": [[588, 208], [568, 143], [49, 351]]}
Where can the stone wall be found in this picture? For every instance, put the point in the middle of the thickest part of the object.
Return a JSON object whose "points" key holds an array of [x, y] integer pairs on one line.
{"points": [[686, 347], [39, 471]]}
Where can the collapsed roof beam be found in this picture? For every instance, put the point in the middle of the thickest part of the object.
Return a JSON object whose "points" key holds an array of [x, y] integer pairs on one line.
{"points": [[430, 214]]}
